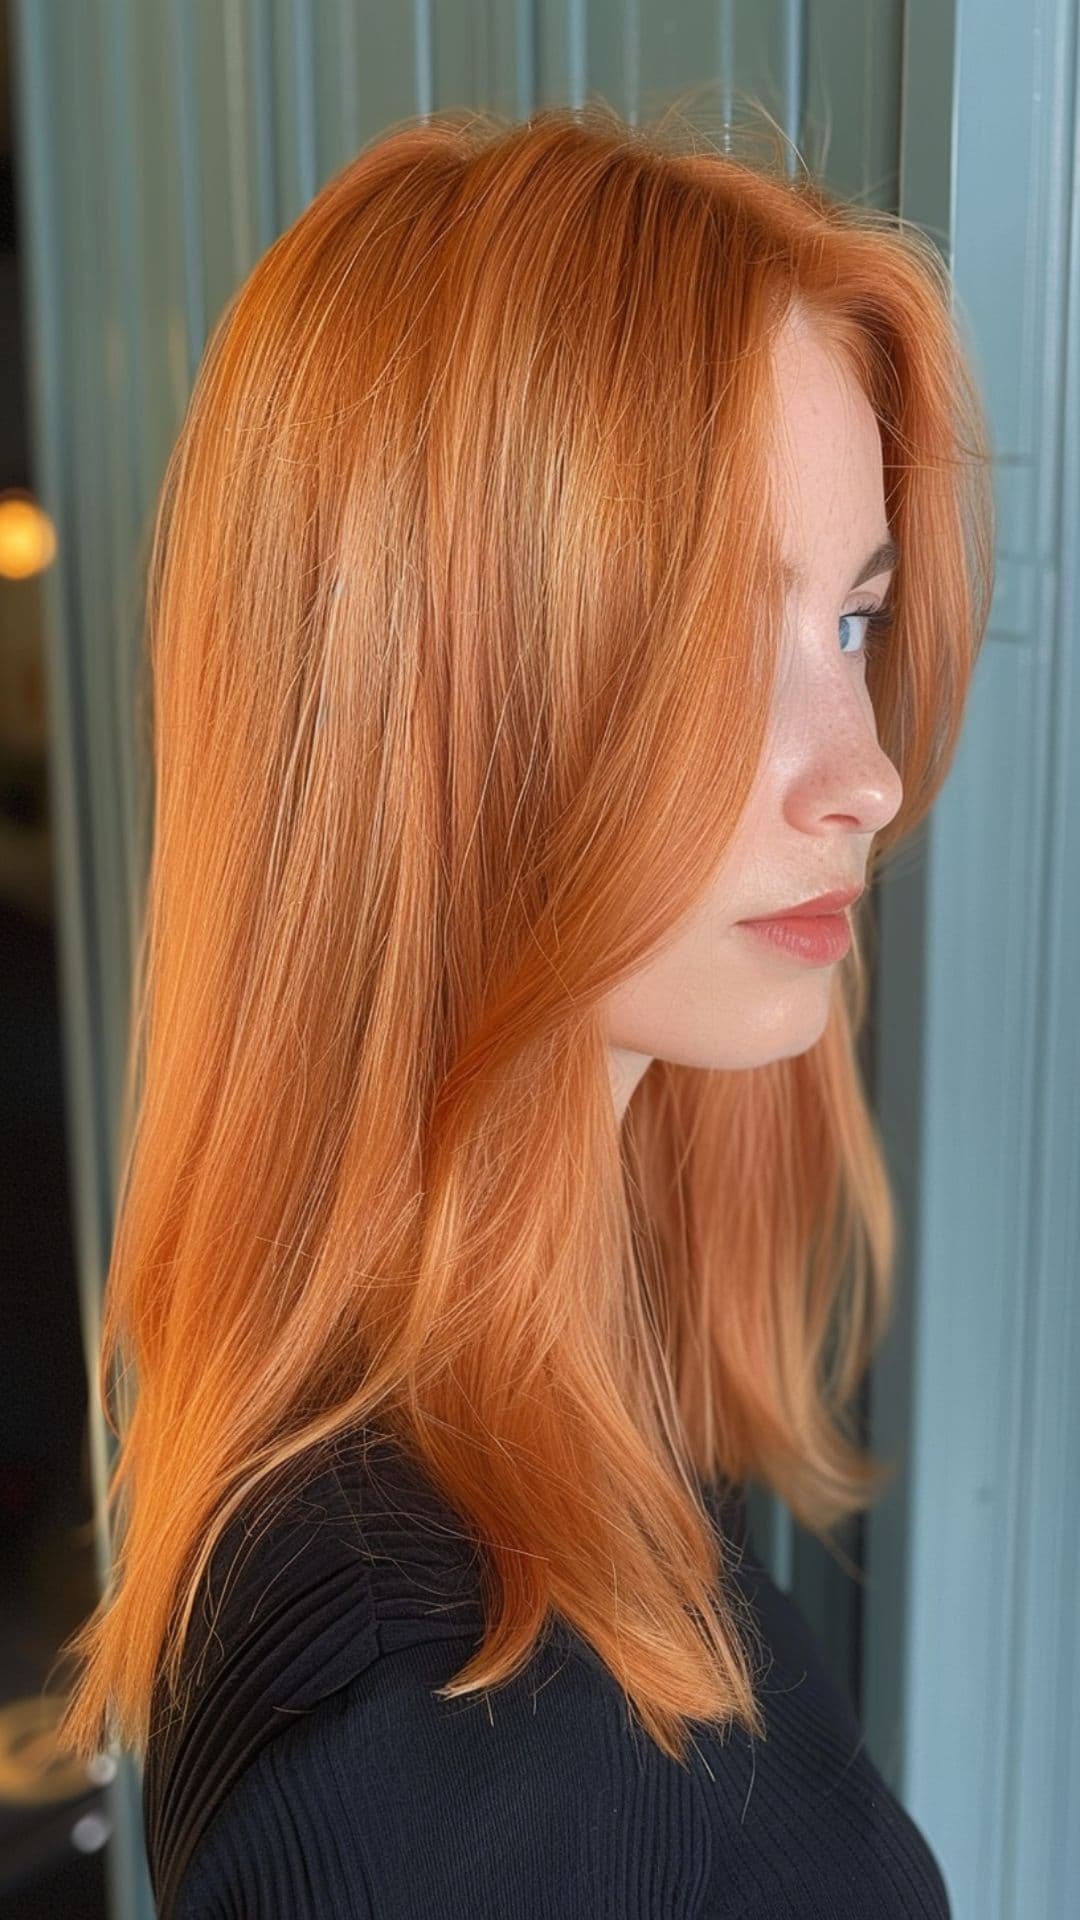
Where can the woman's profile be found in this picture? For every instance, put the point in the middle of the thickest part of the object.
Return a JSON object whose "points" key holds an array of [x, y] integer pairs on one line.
{"points": [[574, 556]]}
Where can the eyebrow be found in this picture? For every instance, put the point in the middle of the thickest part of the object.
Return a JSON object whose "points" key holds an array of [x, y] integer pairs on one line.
{"points": [[883, 559]]}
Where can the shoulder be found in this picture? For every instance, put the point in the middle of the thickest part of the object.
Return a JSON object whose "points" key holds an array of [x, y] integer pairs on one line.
{"points": [[319, 1771], [327, 1570], [389, 1802]]}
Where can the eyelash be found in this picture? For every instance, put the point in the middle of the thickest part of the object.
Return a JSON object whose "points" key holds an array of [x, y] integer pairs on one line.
{"points": [[878, 623]]}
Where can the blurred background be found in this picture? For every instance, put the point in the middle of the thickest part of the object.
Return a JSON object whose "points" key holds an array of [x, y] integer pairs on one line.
{"points": [[150, 151]]}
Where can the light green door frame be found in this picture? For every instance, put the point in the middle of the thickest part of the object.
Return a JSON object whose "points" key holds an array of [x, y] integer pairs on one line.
{"points": [[163, 145]]}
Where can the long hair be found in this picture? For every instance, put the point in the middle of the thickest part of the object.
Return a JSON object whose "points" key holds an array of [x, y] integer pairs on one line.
{"points": [[464, 612]]}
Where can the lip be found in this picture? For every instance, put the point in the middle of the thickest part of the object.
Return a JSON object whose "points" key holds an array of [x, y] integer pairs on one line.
{"points": [[833, 902], [820, 938]]}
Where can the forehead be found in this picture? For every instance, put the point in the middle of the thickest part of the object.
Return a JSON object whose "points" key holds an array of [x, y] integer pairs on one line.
{"points": [[819, 401], [826, 455]]}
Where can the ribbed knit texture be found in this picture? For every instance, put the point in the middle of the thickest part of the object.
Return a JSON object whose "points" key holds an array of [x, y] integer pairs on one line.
{"points": [[314, 1774]]}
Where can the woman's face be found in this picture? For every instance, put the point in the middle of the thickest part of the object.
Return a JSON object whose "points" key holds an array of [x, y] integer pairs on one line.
{"points": [[720, 995]]}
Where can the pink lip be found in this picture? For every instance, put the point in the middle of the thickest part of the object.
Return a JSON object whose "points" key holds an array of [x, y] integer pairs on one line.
{"points": [[832, 902], [820, 938], [815, 930]]}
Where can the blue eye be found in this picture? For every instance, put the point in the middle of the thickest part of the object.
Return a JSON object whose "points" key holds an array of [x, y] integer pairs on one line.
{"points": [[878, 620]]}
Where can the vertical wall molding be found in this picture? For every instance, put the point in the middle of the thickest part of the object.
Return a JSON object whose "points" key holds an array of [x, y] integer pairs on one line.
{"points": [[970, 1617]]}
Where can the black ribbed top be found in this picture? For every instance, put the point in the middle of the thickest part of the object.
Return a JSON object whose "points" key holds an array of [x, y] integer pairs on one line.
{"points": [[313, 1772]]}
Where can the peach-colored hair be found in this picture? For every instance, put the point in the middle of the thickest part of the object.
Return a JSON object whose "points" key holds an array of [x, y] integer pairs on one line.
{"points": [[464, 613]]}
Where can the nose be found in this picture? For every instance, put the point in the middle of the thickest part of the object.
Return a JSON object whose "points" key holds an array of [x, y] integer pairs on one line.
{"points": [[838, 774]]}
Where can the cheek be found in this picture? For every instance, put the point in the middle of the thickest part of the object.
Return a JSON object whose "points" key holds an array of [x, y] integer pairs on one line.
{"points": [[706, 956], [714, 1000], [709, 969]]}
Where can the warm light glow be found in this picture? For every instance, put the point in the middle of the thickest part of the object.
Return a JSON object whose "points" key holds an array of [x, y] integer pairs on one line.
{"points": [[27, 536]]}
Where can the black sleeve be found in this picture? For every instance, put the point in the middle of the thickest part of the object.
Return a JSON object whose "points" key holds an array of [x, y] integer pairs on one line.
{"points": [[385, 1802]]}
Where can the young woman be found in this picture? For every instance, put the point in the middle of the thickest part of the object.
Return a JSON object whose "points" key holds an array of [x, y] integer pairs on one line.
{"points": [[574, 558]]}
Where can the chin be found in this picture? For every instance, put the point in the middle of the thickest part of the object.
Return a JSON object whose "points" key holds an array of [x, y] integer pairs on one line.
{"points": [[780, 1039]]}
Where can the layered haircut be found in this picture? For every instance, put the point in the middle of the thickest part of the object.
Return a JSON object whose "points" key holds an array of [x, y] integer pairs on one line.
{"points": [[464, 614]]}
